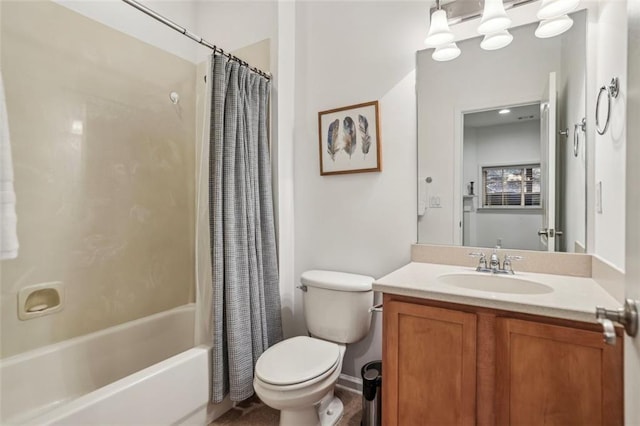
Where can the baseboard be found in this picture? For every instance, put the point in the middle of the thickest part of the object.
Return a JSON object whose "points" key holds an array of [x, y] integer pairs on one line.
{"points": [[350, 383]]}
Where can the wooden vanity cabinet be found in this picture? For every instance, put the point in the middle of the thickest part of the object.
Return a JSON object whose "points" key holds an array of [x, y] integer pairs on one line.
{"points": [[554, 375], [429, 365], [448, 364]]}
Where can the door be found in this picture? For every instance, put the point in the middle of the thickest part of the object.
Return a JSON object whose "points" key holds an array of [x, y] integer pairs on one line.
{"points": [[553, 375], [548, 106], [429, 358], [632, 275]]}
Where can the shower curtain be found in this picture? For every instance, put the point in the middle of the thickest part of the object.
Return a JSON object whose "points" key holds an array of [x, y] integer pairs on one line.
{"points": [[246, 297]]}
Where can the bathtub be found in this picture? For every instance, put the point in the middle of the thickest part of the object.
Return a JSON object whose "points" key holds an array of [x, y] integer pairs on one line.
{"points": [[142, 372]]}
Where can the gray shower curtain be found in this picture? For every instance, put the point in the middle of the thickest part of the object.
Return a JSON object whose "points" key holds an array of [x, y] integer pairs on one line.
{"points": [[246, 297]]}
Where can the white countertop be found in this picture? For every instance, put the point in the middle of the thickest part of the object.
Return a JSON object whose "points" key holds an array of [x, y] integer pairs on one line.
{"points": [[573, 298]]}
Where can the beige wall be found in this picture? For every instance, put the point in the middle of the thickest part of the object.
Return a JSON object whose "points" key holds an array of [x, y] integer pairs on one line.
{"points": [[108, 210]]}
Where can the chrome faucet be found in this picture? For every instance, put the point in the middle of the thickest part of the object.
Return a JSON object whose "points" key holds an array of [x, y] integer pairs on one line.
{"points": [[482, 262], [506, 264], [494, 262]]}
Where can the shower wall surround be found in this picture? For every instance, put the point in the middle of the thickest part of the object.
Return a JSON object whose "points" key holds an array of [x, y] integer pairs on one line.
{"points": [[104, 173]]}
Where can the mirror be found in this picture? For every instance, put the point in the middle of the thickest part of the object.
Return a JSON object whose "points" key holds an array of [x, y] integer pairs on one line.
{"points": [[501, 152]]}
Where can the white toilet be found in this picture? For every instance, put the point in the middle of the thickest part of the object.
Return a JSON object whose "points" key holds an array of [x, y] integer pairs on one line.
{"points": [[297, 375]]}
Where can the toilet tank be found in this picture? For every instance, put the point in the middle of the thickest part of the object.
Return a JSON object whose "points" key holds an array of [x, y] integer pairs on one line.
{"points": [[336, 305]]}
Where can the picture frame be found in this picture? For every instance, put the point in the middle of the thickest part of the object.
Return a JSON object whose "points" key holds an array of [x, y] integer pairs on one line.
{"points": [[349, 139]]}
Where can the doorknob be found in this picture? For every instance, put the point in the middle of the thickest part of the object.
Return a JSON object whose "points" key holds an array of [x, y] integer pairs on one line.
{"points": [[626, 316], [550, 232]]}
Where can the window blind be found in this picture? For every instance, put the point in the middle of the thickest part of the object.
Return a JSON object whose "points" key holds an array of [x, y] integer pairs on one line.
{"points": [[511, 186]]}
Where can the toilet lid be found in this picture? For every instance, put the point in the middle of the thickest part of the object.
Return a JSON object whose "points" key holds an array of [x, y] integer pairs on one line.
{"points": [[296, 360]]}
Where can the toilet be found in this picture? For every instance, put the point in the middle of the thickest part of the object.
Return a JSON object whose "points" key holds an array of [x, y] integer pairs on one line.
{"points": [[297, 376]]}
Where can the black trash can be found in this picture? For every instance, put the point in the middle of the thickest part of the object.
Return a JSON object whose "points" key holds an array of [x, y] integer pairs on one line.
{"points": [[371, 394]]}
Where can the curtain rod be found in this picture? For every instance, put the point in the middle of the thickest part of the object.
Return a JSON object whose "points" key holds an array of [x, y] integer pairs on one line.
{"points": [[155, 15]]}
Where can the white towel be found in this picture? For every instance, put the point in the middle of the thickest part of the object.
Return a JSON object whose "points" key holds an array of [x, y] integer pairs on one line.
{"points": [[422, 197], [8, 219]]}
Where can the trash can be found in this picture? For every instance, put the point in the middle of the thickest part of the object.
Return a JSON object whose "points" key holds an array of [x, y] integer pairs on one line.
{"points": [[371, 394]]}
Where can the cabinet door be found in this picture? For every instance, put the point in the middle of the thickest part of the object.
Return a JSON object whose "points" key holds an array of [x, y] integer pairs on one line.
{"points": [[429, 358], [553, 375]]}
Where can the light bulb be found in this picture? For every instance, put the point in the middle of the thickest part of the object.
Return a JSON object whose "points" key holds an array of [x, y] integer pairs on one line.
{"points": [[439, 33], [553, 27], [494, 18], [446, 53], [496, 41], [554, 8]]}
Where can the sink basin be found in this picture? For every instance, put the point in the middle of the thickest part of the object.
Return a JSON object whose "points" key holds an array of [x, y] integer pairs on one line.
{"points": [[494, 283]]}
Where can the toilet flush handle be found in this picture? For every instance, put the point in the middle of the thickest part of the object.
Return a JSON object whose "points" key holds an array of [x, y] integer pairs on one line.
{"points": [[302, 287], [376, 308]]}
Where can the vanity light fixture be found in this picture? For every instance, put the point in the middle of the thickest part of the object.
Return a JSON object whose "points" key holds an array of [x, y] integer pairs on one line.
{"points": [[439, 32], [446, 53], [554, 18], [553, 27], [554, 8], [494, 18], [496, 41], [494, 23]]}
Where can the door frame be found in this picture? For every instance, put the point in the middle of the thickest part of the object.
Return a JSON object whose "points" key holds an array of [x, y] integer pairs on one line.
{"points": [[632, 203]]}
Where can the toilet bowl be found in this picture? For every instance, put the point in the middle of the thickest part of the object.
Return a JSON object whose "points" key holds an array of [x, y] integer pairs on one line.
{"points": [[298, 375]]}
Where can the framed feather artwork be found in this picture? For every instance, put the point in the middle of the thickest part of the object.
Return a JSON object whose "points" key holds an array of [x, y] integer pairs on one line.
{"points": [[350, 139]]}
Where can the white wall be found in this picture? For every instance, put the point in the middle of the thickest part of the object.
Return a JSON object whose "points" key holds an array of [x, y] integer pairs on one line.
{"points": [[232, 25], [606, 46], [514, 143], [347, 53], [283, 97], [503, 77]]}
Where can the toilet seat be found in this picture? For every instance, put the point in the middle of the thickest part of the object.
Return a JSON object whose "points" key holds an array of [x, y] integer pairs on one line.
{"points": [[297, 360]]}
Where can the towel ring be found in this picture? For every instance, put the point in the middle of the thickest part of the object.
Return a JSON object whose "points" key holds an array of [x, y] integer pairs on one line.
{"points": [[612, 91], [582, 125]]}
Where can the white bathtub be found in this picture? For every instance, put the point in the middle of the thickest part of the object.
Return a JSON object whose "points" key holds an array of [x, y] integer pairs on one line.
{"points": [[142, 372]]}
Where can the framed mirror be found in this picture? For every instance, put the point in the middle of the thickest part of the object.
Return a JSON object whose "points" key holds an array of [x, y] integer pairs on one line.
{"points": [[501, 152]]}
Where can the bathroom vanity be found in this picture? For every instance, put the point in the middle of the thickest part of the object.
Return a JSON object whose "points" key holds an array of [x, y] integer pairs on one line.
{"points": [[463, 347]]}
